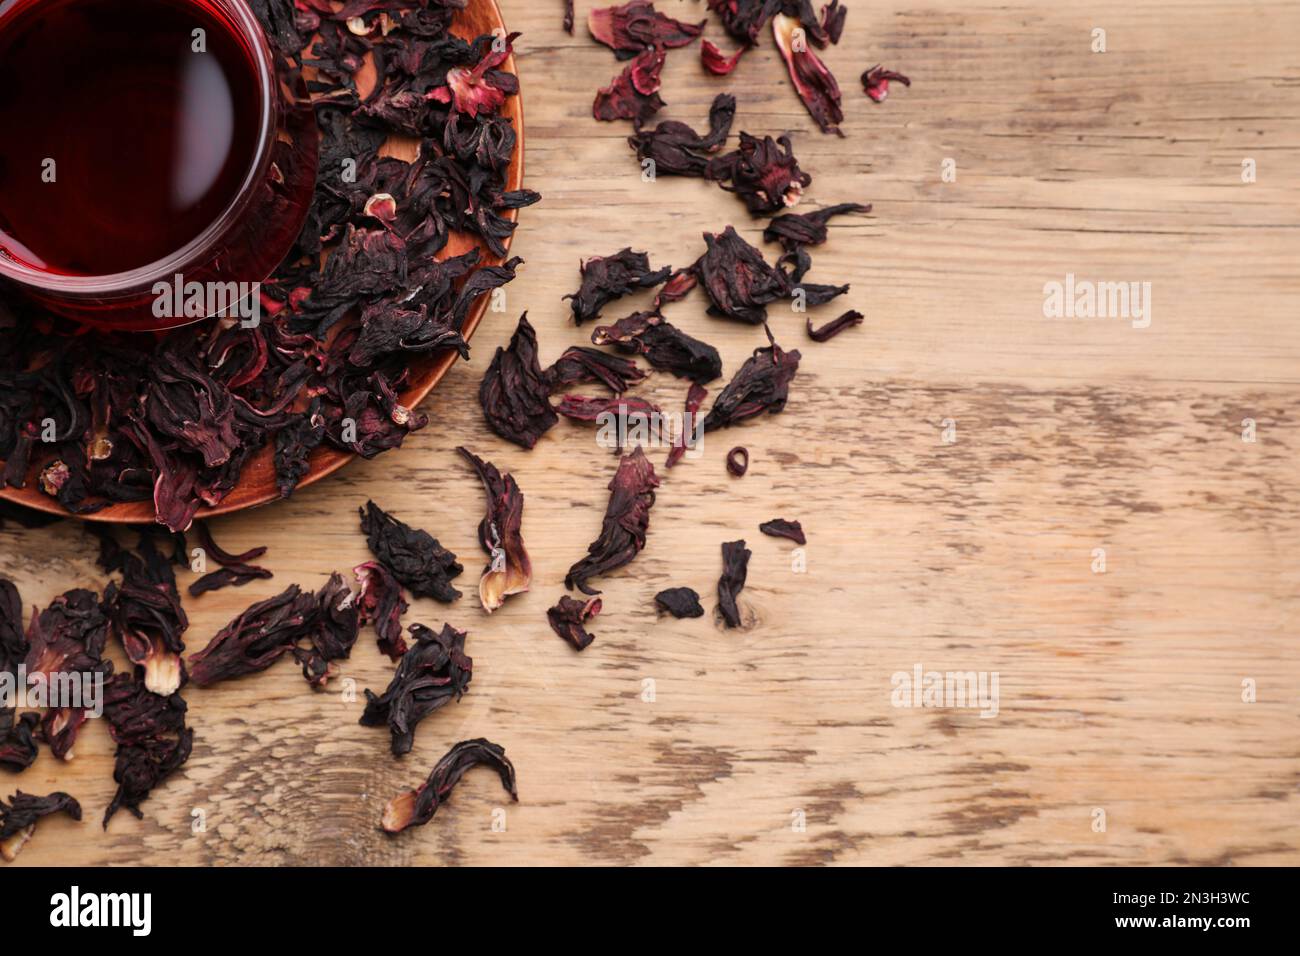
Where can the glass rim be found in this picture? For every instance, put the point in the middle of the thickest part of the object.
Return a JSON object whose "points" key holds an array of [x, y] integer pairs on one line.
{"points": [[250, 29]]}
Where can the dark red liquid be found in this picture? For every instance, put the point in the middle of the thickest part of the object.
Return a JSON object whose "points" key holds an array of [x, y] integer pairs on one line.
{"points": [[151, 140]]}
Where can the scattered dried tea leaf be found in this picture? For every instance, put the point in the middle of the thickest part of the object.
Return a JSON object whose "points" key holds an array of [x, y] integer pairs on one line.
{"points": [[665, 346], [606, 278], [677, 150], [413, 556], [835, 326], [692, 424], [627, 517], [761, 385], [18, 819], [418, 807], [762, 172], [382, 604], [634, 93], [680, 602], [568, 618], [717, 62], [67, 638], [737, 279], [514, 394], [735, 566], [814, 83], [630, 28], [738, 461], [581, 366], [509, 570], [152, 740], [875, 82], [431, 674], [780, 528]]}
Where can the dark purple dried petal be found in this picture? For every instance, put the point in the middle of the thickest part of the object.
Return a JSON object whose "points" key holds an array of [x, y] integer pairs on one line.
{"points": [[634, 93], [665, 346], [433, 673], [630, 28], [514, 393], [835, 326], [413, 556], [569, 617], [761, 385], [762, 172], [735, 565], [582, 366], [813, 82], [780, 528], [680, 602], [382, 604], [738, 461], [509, 569], [677, 150], [418, 807], [737, 279], [627, 518], [18, 819], [606, 278], [875, 82]]}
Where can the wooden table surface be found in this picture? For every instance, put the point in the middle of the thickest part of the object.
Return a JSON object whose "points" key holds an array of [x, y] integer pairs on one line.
{"points": [[1124, 693]]}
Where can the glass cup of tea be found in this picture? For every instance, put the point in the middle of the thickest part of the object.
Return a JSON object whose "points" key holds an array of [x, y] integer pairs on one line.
{"points": [[157, 158]]}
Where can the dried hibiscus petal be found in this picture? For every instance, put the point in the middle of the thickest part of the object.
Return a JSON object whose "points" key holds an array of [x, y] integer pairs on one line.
{"points": [[255, 639], [835, 326], [675, 149], [762, 384], [606, 278], [717, 62], [13, 642], [580, 366], [414, 556], [337, 626], [17, 741], [509, 569], [568, 618], [433, 673], [580, 408], [738, 461], [630, 28], [146, 616], [691, 424], [418, 807], [794, 229], [382, 604], [152, 740], [762, 172], [627, 517], [514, 393], [743, 19], [67, 638], [875, 82], [634, 93], [18, 819], [780, 528], [482, 88], [735, 566], [737, 279], [680, 602], [665, 346], [814, 83], [568, 17]]}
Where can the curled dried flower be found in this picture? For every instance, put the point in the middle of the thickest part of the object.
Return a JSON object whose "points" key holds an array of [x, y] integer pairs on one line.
{"points": [[430, 675], [691, 424], [717, 62], [737, 279], [569, 617], [762, 172], [146, 616], [580, 366], [382, 604], [509, 569], [606, 278], [630, 28], [875, 82], [814, 83], [627, 517], [418, 807], [761, 385], [634, 93], [255, 639], [68, 637], [735, 565], [17, 741], [665, 346], [413, 556], [18, 819], [152, 741], [514, 394], [677, 150]]}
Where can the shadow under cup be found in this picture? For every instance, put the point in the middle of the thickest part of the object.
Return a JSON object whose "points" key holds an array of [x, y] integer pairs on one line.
{"points": [[165, 148]]}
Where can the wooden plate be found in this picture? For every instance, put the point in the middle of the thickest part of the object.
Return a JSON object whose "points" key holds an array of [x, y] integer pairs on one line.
{"points": [[257, 482]]}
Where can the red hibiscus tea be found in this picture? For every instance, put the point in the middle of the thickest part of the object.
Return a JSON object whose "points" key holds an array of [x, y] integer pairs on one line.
{"points": [[138, 145]]}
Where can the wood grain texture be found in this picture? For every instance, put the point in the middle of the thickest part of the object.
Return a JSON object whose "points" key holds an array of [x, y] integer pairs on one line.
{"points": [[1120, 691]]}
